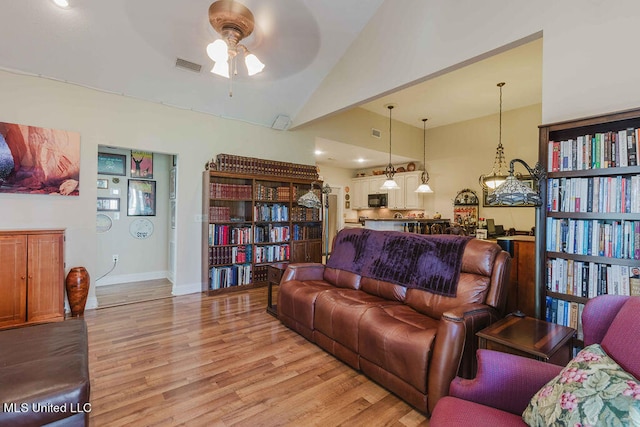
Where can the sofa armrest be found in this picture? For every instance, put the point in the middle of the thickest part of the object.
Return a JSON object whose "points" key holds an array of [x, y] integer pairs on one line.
{"points": [[455, 338], [303, 271], [475, 317], [504, 381]]}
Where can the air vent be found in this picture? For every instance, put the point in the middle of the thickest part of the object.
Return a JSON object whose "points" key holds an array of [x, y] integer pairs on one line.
{"points": [[187, 65], [375, 133], [281, 122]]}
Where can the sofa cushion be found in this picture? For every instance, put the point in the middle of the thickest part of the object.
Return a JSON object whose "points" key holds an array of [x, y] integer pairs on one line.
{"points": [[623, 335], [296, 302], [338, 312], [399, 340], [472, 288], [591, 390], [451, 411], [342, 278], [383, 289]]}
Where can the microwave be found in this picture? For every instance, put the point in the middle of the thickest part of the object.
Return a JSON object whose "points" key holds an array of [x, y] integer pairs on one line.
{"points": [[377, 200]]}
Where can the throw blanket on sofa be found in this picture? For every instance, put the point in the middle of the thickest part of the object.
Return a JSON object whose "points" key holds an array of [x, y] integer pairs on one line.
{"points": [[429, 262]]}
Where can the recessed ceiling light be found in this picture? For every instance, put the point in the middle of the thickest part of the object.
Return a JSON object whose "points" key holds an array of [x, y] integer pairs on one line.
{"points": [[317, 152], [360, 160], [62, 3]]}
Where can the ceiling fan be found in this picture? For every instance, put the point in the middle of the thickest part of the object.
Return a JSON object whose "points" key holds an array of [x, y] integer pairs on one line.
{"points": [[234, 22]]}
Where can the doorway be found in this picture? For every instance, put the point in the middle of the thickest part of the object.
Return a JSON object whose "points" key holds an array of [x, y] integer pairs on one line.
{"points": [[135, 225]]}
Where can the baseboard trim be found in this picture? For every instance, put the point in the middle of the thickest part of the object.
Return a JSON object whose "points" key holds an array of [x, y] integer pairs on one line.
{"points": [[189, 288], [136, 277]]}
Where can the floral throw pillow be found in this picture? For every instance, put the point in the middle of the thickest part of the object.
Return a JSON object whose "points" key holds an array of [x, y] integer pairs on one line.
{"points": [[592, 390]]}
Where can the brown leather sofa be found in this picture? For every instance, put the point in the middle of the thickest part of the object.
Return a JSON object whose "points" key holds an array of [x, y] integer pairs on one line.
{"points": [[44, 375], [410, 340]]}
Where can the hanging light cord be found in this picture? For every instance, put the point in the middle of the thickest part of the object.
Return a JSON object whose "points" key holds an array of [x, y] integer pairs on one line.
{"points": [[389, 170], [425, 174]]}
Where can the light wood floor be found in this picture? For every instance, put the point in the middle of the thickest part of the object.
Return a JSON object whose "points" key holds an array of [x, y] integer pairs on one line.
{"points": [[222, 360], [128, 293]]}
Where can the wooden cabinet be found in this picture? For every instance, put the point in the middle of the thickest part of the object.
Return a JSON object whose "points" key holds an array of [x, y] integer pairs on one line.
{"points": [[253, 221], [521, 294], [31, 276], [590, 212], [412, 200], [306, 251]]}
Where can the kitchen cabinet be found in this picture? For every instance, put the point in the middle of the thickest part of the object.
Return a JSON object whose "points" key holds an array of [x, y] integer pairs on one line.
{"points": [[31, 277], [404, 198]]}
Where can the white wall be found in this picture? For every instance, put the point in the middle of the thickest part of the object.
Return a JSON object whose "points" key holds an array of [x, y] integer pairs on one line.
{"points": [[578, 37], [113, 120]]}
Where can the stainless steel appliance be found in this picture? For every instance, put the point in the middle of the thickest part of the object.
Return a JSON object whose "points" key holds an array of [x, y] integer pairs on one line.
{"points": [[377, 200]]}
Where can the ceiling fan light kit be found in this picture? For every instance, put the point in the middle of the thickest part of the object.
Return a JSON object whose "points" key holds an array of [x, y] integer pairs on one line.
{"points": [[234, 22]]}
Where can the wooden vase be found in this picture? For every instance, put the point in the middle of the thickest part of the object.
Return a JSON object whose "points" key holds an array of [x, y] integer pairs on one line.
{"points": [[77, 284]]}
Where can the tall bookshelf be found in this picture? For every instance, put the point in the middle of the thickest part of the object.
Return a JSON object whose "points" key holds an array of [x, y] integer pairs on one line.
{"points": [[590, 220], [251, 221]]}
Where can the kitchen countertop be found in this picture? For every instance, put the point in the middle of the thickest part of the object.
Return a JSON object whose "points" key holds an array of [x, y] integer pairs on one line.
{"points": [[409, 219]]}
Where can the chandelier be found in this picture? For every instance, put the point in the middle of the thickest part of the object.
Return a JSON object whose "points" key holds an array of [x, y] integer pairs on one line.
{"points": [[424, 187], [499, 173], [234, 22], [390, 171]]}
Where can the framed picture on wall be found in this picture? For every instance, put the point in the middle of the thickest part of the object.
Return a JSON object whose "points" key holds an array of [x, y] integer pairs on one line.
{"points": [[103, 183], [108, 204], [112, 164], [141, 164], [141, 198]]}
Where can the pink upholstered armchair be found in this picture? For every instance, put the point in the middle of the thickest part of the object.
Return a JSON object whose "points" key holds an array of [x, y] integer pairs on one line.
{"points": [[505, 383]]}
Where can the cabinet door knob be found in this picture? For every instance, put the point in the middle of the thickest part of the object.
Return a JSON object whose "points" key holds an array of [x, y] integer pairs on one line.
{"points": [[23, 277]]}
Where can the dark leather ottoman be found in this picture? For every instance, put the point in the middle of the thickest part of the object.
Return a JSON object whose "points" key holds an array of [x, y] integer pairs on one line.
{"points": [[44, 375]]}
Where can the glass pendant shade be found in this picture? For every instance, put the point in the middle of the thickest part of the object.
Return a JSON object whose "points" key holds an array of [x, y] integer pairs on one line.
{"points": [[424, 188], [390, 184], [218, 51], [221, 69], [512, 192], [254, 66]]}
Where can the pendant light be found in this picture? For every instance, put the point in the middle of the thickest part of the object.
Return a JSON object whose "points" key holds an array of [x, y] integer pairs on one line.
{"points": [[390, 171], [424, 187], [499, 173]]}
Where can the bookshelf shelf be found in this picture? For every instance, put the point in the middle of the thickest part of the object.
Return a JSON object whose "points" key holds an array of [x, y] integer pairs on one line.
{"points": [[591, 209], [248, 223]]}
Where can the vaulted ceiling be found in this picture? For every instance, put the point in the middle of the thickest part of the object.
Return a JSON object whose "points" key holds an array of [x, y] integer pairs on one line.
{"points": [[130, 47]]}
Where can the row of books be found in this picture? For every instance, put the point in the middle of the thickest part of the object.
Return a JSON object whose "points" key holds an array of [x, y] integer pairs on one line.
{"points": [[254, 166], [565, 313], [590, 279], [234, 275], [219, 213], [600, 150], [278, 194], [271, 253], [276, 212], [229, 191], [617, 194], [305, 232], [305, 214], [220, 255], [272, 233], [607, 238], [229, 235]]}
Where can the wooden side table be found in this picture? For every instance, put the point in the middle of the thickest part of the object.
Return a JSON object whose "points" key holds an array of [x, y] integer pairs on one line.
{"points": [[529, 337], [274, 274]]}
